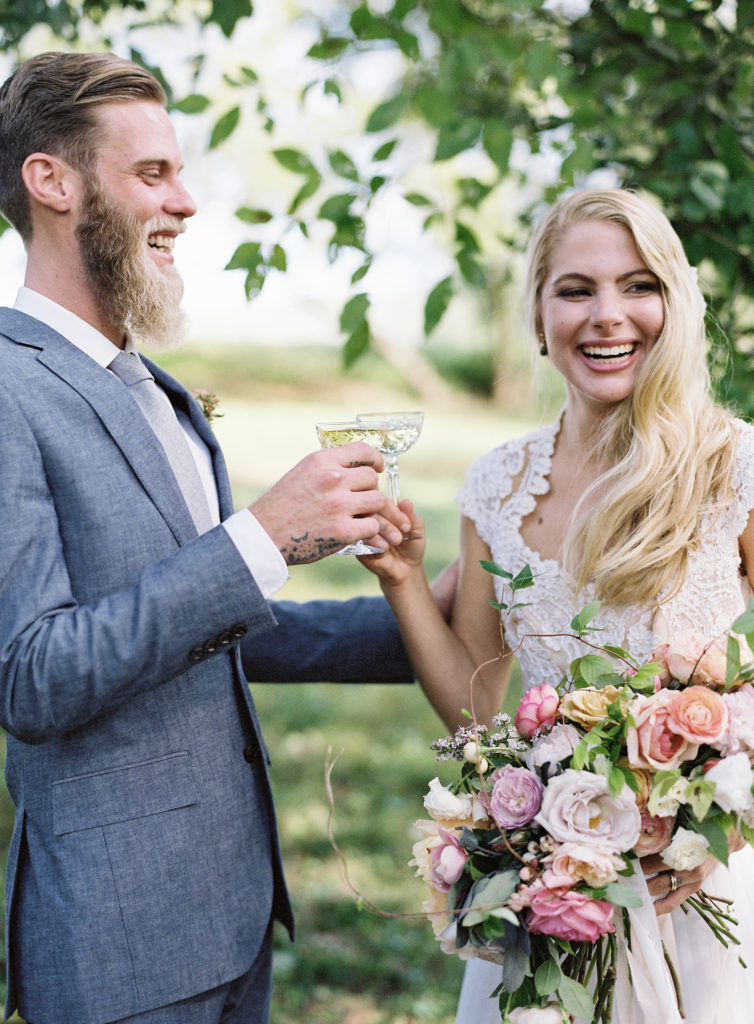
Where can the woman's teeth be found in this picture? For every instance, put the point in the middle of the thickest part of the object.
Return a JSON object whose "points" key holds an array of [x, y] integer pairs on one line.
{"points": [[608, 353]]}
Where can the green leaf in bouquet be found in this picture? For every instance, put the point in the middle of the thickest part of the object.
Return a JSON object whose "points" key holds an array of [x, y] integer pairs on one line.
{"points": [[628, 777], [733, 660], [643, 680], [621, 895], [715, 835], [575, 998], [580, 622], [661, 783], [523, 579], [489, 894], [616, 780], [496, 570], [515, 967], [547, 977], [700, 793], [745, 621], [590, 667], [618, 652]]}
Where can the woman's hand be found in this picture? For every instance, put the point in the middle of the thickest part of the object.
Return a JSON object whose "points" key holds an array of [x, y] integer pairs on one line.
{"points": [[395, 565], [670, 888]]}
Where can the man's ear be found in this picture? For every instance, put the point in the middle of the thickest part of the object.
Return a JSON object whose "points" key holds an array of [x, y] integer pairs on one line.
{"points": [[50, 181]]}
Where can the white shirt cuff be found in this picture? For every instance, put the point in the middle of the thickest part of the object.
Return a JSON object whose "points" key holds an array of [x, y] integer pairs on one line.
{"points": [[257, 549]]}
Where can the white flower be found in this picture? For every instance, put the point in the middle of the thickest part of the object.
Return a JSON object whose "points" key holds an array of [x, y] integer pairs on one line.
{"points": [[559, 743], [687, 850], [536, 1015], [443, 805], [668, 805], [577, 807], [733, 780], [473, 755]]}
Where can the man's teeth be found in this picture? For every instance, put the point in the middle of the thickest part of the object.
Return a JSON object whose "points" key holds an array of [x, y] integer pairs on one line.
{"points": [[608, 353], [164, 243]]}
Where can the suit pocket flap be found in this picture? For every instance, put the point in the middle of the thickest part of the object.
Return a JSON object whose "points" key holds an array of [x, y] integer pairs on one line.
{"points": [[122, 793]]}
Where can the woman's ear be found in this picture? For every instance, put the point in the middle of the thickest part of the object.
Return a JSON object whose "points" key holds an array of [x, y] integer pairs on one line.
{"points": [[50, 181]]}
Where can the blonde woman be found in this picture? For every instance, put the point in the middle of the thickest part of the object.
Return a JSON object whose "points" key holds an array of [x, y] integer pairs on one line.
{"points": [[640, 495]]}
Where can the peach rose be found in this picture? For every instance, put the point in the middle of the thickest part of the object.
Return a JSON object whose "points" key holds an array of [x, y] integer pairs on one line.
{"points": [[652, 742], [643, 777], [699, 715], [587, 862], [588, 707], [690, 655]]}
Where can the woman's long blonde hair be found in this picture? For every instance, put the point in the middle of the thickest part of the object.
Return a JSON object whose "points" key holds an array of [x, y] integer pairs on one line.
{"points": [[668, 446]]}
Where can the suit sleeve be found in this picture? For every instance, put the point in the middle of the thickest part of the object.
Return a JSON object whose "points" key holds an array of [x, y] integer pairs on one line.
{"points": [[356, 641], [65, 661]]}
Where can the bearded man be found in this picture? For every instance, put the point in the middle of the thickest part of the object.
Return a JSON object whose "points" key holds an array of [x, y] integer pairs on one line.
{"points": [[144, 870]]}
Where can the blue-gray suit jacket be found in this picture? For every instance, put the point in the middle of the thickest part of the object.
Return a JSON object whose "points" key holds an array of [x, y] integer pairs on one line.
{"points": [[144, 865]]}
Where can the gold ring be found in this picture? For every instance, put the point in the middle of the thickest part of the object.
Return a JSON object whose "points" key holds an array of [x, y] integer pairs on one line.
{"points": [[674, 882]]}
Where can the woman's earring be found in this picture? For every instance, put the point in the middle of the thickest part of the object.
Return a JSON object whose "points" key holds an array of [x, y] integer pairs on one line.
{"points": [[542, 344]]}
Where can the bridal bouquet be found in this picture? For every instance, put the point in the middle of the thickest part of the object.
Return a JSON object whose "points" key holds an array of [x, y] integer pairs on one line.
{"points": [[529, 854]]}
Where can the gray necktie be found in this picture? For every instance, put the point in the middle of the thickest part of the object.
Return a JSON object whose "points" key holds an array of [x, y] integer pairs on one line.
{"points": [[160, 416]]}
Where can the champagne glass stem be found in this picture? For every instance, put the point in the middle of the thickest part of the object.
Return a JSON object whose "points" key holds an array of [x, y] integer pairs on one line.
{"points": [[391, 468]]}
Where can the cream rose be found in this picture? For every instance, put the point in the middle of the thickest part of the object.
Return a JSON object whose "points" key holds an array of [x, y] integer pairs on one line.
{"points": [[588, 707], [687, 850], [445, 806], [535, 1015]]}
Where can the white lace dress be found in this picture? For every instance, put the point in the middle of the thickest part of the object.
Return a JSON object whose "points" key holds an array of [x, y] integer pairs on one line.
{"points": [[499, 492]]}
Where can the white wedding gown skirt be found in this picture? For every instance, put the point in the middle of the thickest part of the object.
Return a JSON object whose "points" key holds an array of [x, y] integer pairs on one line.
{"points": [[716, 989]]}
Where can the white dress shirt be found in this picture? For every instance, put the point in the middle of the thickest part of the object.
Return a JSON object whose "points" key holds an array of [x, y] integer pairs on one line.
{"points": [[253, 543]]}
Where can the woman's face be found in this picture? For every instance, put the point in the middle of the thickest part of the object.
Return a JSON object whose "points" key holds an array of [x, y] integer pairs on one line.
{"points": [[601, 312]]}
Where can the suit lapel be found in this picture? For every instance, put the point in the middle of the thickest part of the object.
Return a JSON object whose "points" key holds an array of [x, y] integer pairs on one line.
{"points": [[116, 409], [183, 399]]}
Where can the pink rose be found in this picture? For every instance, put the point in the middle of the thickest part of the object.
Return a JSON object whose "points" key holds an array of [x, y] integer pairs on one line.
{"points": [[699, 715], [655, 834], [569, 915], [537, 707], [653, 742], [515, 796], [447, 861]]}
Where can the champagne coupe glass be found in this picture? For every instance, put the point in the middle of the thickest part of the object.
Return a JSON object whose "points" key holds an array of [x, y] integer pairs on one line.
{"points": [[402, 433], [333, 435]]}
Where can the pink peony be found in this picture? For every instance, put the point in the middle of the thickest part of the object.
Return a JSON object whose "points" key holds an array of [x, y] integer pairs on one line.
{"points": [[447, 861], [655, 835], [699, 715], [537, 707], [653, 742], [739, 734], [569, 915], [515, 796]]}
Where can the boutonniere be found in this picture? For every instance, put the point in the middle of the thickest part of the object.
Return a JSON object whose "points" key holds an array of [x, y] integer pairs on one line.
{"points": [[209, 402]]}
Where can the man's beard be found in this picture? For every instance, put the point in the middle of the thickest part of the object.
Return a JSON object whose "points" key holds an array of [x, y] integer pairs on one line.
{"points": [[139, 298]]}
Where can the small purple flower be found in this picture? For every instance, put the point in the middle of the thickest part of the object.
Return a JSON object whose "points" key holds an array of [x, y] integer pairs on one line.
{"points": [[516, 796]]}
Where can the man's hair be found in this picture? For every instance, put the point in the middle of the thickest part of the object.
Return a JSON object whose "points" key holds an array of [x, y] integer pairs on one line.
{"points": [[48, 106]]}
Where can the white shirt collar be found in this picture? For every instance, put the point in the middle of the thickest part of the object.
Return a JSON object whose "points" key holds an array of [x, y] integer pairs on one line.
{"points": [[77, 331]]}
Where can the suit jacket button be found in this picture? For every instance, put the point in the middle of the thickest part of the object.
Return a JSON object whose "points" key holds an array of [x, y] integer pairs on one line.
{"points": [[223, 638], [196, 654], [210, 647], [238, 631], [251, 753]]}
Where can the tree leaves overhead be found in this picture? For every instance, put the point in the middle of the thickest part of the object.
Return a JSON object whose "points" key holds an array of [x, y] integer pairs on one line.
{"points": [[660, 95]]}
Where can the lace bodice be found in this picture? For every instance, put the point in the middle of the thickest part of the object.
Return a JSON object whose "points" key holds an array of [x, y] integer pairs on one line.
{"points": [[501, 489]]}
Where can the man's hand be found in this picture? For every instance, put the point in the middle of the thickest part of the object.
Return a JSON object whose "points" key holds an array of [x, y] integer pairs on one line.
{"points": [[330, 499]]}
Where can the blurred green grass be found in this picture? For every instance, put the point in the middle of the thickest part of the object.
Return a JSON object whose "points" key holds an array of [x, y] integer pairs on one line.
{"points": [[350, 964]]}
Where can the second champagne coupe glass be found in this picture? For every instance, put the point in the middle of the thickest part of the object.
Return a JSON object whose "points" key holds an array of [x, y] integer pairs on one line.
{"points": [[333, 435], [402, 433]]}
